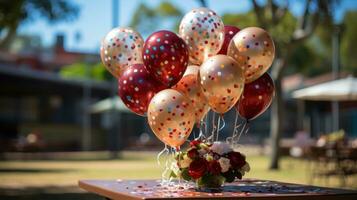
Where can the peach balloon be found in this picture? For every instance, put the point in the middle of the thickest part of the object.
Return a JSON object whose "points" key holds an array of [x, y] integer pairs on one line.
{"points": [[192, 69], [254, 49], [190, 86], [171, 117], [222, 81]]}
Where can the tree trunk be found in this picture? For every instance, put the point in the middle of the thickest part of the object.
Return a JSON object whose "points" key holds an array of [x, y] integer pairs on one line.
{"points": [[276, 118]]}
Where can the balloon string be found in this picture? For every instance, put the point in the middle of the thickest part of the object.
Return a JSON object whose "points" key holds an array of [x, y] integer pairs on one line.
{"points": [[159, 155], [164, 153], [247, 129], [218, 126], [235, 124], [223, 123], [229, 140], [241, 131], [214, 128], [202, 135]]}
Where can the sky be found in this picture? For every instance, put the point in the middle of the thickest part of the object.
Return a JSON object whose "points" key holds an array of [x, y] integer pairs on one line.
{"points": [[95, 19]]}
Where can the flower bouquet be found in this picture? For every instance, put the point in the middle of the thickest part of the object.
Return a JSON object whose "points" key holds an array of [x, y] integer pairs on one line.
{"points": [[210, 165]]}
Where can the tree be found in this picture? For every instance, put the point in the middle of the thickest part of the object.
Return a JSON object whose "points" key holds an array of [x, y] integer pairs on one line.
{"points": [[16, 12], [146, 19], [85, 71], [270, 16], [349, 41]]}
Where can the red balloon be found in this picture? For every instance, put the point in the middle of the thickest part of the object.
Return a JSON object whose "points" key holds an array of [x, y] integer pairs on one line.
{"points": [[229, 32], [256, 98], [165, 55], [136, 87]]}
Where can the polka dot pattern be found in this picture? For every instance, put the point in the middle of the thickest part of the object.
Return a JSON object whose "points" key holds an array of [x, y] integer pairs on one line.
{"points": [[190, 86], [203, 31], [229, 33], [256, 98], [222, 81], [120, 48], [165, 55], [136, 87], [171, 117], [253, 49]]}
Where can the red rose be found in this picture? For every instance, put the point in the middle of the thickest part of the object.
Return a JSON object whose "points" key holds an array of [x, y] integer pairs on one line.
{"points": [[197, 168], [236, 159], [195, 143], [193, 153], [214, 167]]}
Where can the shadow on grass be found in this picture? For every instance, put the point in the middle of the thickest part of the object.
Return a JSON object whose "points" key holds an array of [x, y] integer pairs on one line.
{"points": [[72, 196], [33, 170], [46, 193]]}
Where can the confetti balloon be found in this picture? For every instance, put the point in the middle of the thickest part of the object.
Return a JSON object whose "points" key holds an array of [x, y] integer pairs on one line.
{"points": [[203, 31], [192, 69], [171, 117], [136, 87], [190, 86], [256, 98], [229, 32], [222, 81], [121, 48], [165, 56], [254, 49]]}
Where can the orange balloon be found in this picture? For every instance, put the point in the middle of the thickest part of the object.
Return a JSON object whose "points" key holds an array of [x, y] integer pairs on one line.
{"points": [[190, 86], [254, 49], [222, 81], [171, 117]]}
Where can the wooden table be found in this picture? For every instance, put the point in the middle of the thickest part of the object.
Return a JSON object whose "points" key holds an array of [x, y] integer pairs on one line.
{"points": [[249, 188]]}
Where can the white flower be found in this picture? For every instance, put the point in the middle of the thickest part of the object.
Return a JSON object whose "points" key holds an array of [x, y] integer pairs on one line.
{"points": [[246, 167], [185, 161], [225, 164], [221, 148]]}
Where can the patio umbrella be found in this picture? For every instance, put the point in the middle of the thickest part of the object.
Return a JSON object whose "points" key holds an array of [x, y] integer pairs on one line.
{"points": [[109, 104], [338, 90]]}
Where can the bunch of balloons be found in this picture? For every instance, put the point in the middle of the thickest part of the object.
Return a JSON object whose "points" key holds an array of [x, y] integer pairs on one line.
{"points": [[175, 79]]}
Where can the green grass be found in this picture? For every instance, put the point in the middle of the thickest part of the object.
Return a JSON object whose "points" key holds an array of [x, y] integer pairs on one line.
{"points": [[65, 174]]}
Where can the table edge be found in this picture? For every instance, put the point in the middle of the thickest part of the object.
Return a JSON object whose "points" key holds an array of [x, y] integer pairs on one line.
{"points": [[351, 195]]}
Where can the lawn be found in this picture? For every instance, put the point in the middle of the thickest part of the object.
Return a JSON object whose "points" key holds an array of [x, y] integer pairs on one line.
{"points": [[32, 177]]}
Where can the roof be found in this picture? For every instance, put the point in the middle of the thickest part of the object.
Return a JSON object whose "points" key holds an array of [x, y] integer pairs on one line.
{"points": [[21, 81], [338, 90]]}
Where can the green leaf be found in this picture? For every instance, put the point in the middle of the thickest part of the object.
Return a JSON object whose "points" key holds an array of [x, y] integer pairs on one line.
{"points": [[185, 175], [229, 176]]}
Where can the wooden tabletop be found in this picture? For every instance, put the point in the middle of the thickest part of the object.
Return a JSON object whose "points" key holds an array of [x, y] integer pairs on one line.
{"points": [[248, 188]]}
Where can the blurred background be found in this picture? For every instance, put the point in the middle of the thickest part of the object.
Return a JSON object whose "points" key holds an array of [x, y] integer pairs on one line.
{"points": [[61, 120]]}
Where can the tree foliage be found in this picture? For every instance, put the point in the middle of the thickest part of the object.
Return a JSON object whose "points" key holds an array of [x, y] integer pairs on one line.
{"points": [[16, 12], [85, 71], [349, 41], [147, 19]]}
